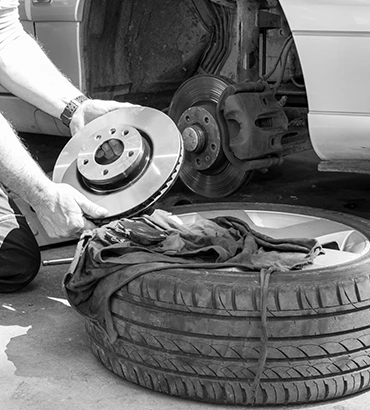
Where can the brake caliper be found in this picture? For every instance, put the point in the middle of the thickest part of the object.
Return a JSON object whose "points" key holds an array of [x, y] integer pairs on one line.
{"points": [[253, 124]]}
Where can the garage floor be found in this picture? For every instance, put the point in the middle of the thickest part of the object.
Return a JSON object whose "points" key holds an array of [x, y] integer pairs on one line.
{"points": [[44, 359]]}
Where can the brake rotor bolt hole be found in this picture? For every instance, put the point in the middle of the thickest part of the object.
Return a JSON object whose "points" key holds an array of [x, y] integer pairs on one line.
{"points": [[112, 131], [125, 132], [86, 161], [208, 158], [131, 153], [187, 118], [98, 137], [213, 147], [105, 172], [197, 161], [206, 120]]}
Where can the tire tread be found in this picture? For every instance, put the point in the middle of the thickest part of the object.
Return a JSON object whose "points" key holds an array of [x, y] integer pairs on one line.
{"points": [[319, 339]]}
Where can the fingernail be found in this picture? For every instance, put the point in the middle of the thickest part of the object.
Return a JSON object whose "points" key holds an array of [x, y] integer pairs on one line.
{"points": [[102, 212]]}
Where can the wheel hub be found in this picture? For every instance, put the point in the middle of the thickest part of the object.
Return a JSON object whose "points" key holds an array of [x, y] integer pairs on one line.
{"points": [[103, 174], [201, 137]]}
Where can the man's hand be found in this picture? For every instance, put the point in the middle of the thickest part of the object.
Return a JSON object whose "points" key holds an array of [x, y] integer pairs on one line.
{"points": [[65, 210], [91, 109]]}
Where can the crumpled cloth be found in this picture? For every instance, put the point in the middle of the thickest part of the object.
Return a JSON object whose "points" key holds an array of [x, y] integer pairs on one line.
{"points": [[109, 257]]}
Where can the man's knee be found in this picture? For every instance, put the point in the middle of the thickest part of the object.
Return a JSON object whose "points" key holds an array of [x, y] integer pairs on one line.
{"points": [[19, 253]]}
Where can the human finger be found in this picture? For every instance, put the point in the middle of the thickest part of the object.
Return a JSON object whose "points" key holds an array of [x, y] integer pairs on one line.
{"points": [[108, 152], [89, 208], [116, 146]]}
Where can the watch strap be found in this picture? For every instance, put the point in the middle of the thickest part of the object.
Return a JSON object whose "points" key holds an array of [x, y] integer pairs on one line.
{"points": [[70, 109]]}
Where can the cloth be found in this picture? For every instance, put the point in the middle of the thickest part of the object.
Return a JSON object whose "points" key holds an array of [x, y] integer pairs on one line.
{"points": [[10, 26], [19, 253], [109, 257]]}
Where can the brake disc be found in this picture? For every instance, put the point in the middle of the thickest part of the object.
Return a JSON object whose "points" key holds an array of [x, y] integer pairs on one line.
{"points": [[149, 159], [206, 170]]}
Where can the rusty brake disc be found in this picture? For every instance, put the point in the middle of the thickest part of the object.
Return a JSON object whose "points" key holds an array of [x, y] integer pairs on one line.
{"points": [[206, 169]]}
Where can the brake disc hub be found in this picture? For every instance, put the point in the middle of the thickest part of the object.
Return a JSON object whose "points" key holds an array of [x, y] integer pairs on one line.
{"points": [[103, 174], [201, 136], [124, 160]]}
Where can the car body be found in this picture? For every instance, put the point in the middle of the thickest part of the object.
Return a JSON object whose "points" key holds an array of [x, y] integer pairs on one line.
{"points": [[56, 25], [142, 53], [331, 37]]}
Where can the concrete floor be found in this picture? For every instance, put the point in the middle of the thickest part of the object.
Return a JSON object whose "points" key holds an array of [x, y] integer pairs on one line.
{"points": [[45, 362]]}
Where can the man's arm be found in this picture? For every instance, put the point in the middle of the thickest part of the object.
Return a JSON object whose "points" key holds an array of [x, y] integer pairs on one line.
{"points": [[28, 73], [60, 208]]}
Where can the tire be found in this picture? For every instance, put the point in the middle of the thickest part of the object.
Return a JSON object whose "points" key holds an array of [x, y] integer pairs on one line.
{"points": [[195, 334]]}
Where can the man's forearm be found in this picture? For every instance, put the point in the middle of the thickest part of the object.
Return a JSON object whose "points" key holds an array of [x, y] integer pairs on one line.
{"points": [[28, 73], [18, 170], [60, 208]]}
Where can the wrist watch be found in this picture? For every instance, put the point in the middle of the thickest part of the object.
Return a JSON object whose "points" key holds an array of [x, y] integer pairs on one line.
{"points": [[71, 107]]}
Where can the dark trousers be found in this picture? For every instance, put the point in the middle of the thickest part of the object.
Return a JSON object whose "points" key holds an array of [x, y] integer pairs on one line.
{"points": [[19, 253]]}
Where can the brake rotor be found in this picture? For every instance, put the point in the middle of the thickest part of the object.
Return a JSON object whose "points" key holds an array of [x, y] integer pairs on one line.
{"points": [[143, 165], [206, 170]]}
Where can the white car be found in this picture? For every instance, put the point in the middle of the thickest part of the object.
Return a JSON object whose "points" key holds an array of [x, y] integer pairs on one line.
{"points": [[332, 38], [310, 53], [57, 26]]}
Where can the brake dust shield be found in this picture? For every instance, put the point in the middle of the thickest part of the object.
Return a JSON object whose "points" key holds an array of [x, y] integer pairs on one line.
{"points": [[144, 169]]}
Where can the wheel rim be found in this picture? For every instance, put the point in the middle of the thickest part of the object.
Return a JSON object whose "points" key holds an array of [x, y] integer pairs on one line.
{"points": [[341, 243]]}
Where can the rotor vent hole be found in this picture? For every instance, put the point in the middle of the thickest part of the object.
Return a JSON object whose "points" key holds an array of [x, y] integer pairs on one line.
{"points": [[109, 151], [264, 122]]}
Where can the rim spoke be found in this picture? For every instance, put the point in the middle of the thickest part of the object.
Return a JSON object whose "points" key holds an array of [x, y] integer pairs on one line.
{"points": [[339, 237], [241, 214], [280, 225], [309, 229], [331, 258]]}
